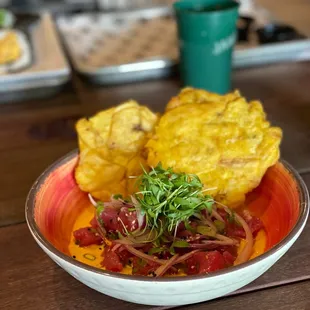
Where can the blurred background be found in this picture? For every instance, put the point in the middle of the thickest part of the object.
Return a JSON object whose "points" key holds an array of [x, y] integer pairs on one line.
{"points": [[43, 43]]}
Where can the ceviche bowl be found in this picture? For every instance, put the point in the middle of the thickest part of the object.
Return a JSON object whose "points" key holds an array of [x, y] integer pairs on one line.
{"points": [[281, 201]]}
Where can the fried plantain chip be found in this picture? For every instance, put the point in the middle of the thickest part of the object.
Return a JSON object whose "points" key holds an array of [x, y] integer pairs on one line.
{"points": [[225, 140], [111, 149]]}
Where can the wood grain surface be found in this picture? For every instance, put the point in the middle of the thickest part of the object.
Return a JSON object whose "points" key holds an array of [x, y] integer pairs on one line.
{"points": [[30, 280], [34, 134], [288, 297]]}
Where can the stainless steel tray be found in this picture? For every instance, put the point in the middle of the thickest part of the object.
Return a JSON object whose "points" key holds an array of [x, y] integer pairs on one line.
{"points": [[48, 72], [118, 47], [126, 5]]}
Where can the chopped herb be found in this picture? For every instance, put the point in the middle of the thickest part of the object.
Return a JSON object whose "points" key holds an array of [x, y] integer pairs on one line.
{"points": [[153, 251], [99, 208], [180, 244], [220, 226], [172, 196], [90, 256], [232, 218], [142, 263], [113, 236], [189, 227], [205, 230]]}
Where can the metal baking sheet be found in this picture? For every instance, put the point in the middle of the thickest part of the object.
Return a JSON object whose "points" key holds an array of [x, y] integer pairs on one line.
{"points": [[110, 48], [48, 71]]}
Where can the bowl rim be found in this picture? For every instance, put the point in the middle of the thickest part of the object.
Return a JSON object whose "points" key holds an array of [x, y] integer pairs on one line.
{"points": [[34, 229]]}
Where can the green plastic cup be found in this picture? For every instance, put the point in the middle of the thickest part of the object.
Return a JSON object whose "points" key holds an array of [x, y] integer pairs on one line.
{"points": [[207, 31]]}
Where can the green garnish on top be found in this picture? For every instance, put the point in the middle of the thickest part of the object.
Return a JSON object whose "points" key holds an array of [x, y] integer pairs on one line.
{"points": [[168, 198]]}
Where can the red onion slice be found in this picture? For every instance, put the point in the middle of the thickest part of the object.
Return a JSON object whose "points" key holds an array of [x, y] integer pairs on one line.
{"points": [[140, 216], [163, 268], [217, 216], [92, 200], [126, 241], [207, 244], [116, 246], [185, 256], [145, 256], [246, 253]]}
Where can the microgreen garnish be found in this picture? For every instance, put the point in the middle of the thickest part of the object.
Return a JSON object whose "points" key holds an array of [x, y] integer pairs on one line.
{"points": [[99, 210], [168, 198], [117, 196], [153, 251], [180, 244]]}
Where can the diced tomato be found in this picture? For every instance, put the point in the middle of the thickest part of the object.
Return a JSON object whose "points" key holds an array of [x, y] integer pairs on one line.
{"points": [[184, 234], [232, 249], [124, 255], [222, 213], [193, 265], [111, 261], [205, 262], [94, 223], [255, 225], [165, 255], [115, 220], [214, 261], [181, 227], [87, 236], [142, 267], [129, 219], [194, 225], [109, 218], [234, 230], [228, 258]]}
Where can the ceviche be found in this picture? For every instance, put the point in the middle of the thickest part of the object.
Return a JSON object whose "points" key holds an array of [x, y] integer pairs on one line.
{"points": [[170, 226]]}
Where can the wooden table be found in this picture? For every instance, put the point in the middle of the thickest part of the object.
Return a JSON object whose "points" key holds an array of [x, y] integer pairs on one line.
{"points": [[34, 134]]}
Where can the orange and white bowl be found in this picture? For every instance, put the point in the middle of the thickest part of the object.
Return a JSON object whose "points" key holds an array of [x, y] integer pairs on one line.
{"points": [[55, 201]]}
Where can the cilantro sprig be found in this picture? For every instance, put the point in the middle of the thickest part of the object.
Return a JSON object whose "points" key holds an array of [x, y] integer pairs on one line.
{"points": [[168, 198]]}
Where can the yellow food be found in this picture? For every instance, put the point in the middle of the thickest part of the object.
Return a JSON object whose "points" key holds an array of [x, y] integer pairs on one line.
{"points": [[10, 49], [111, 149], [225, 140]]}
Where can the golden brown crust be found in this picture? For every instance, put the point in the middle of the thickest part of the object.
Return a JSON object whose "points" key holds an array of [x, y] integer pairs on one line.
{"points": [[225, 140], [111, 148]]}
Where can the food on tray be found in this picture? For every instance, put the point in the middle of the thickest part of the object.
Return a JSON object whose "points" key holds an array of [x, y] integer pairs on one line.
{"points": [[7, 19], [111, 149], [191, 168], [10, 49], [225, 140]]}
